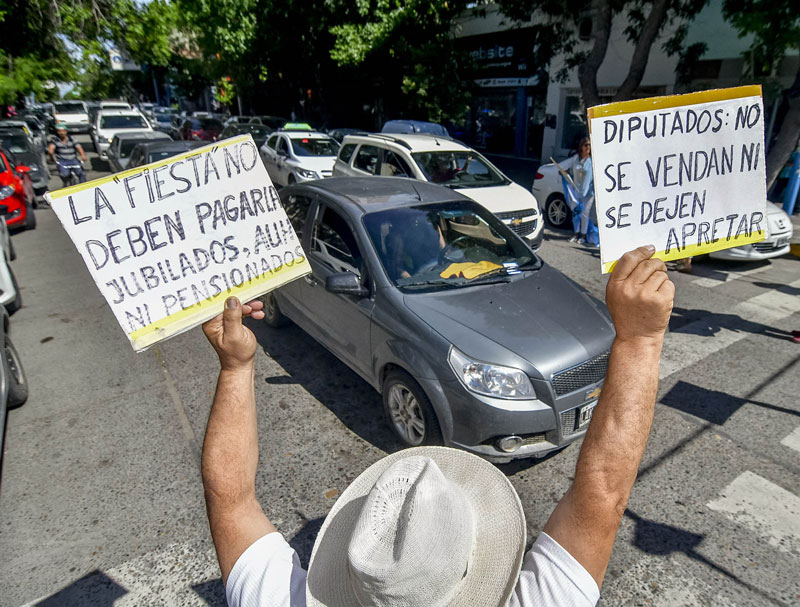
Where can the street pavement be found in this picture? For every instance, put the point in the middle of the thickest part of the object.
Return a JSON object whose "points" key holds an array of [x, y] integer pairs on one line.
{"points": [[101, 501]]}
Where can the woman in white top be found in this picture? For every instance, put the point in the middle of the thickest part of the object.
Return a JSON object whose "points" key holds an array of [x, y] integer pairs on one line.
{"points": [[580, 168]]}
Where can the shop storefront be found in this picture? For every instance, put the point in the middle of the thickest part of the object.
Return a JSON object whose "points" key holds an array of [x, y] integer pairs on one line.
{"points": [[507, 110]]}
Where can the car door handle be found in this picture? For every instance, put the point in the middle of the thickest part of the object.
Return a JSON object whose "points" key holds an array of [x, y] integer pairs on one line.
{"points": [[311, 280]]}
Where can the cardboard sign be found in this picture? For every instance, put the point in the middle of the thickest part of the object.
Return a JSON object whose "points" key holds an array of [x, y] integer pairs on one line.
{"points": [[168, 242], [685, 173]]}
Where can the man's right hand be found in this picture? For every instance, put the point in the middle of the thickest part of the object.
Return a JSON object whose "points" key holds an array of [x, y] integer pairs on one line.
{"points": [[639, 296], [235, 344]]}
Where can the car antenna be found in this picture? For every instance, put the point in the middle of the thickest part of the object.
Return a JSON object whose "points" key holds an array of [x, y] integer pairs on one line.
{"points": [[413, 187]]}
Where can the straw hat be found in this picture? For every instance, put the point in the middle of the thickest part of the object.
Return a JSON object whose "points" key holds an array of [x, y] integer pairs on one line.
{"points": [[429, 526]]}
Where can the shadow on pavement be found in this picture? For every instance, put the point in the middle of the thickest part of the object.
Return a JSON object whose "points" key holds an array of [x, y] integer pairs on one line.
{"points": [[778, 287], [357, 405], [95, 589], [682, 320], [212, 592], [711, 405], [303, 541]]}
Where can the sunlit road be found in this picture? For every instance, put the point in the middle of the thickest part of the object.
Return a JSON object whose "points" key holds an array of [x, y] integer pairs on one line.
{"points": [[101, 499]]}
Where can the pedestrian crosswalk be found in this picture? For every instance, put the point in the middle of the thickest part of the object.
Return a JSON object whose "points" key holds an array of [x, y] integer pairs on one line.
{"points": [[792, 440], [711, 282]]}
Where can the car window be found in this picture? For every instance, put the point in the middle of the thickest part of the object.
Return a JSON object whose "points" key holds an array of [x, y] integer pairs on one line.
{"points": [[394, 166], [123, 122], [271, 142], [367, 158], [314, 146], [346, 153], [135, 155], [283, 146], [125, 147], [3, 167], [296, 207], [15, 143], [334, 244], [74, 107], [463, 169]]}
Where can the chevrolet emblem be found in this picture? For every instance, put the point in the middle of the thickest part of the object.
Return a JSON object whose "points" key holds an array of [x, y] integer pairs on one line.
{"points": [[516, 221], [593, 393]]}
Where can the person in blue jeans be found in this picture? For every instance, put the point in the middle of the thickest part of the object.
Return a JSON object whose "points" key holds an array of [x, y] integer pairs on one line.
{"points": [[580, 169]]}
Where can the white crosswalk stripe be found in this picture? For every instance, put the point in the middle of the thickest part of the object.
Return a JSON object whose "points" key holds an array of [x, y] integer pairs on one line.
{"points": [[766, 509], [792, 440], [691, 343], [710, 283]]}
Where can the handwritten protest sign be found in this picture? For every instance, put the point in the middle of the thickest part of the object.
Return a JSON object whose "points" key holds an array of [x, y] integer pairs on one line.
{"points": [[685, 173], [166, 243]]}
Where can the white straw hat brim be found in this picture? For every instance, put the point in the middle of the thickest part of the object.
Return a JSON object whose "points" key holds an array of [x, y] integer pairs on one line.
{"points": [[499, 546]]}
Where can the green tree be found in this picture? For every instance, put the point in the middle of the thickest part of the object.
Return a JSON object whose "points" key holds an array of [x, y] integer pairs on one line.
{"points": [[648, 22], [775, 26]]}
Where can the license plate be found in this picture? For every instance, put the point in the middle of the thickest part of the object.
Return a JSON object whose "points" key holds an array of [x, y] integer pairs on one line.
{"points": [[585, 414]]}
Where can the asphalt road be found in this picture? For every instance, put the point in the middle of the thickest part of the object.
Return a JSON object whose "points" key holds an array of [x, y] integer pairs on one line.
{"points": [[101, 501]]}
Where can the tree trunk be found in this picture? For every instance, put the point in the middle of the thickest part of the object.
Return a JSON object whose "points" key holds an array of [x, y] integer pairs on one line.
{"points": [[641, 53], [786, 141], [587, 71]]}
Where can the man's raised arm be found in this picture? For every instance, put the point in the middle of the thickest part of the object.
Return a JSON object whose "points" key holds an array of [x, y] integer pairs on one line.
{"points": [[230, 448], [585, 522]]}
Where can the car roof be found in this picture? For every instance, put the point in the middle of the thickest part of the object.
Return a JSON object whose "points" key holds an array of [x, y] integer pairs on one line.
{"points": [[361, 195], [169, 146], [143, 135], [119, 112], [13, 123], [413, 143], [304, 134]]}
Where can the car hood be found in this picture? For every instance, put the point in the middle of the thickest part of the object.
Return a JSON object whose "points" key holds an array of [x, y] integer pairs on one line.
{"points": [[540, 322], [315, 163], [501, 198], [109, 133]]}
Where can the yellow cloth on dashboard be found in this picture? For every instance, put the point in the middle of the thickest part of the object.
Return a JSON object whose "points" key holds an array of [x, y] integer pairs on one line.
{"points": [[469, 269]]}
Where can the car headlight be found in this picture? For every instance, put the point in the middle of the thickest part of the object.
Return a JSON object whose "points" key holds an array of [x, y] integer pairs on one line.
{"points": [[6, 191], [307, 174], [490, 380]]}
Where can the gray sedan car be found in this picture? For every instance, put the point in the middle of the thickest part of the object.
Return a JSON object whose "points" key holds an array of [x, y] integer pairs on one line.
{"points": [[471, 339]]}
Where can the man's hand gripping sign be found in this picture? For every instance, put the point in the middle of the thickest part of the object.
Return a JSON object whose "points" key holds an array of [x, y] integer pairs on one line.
{"points": [[685, 173]]}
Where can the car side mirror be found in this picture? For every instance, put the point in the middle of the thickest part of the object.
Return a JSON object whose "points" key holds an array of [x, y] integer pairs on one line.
{"points": [[345, 283], [21, 168], [283, 153]]}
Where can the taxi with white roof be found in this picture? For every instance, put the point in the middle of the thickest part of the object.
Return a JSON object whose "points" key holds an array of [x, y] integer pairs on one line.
{"points": [[296, 153]]}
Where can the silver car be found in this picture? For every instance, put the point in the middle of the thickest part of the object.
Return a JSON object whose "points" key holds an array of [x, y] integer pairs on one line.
{"points": [[471, 339]]}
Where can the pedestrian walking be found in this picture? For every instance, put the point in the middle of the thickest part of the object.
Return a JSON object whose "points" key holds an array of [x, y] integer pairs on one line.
{"points": [[433, 525], [581, 200]]}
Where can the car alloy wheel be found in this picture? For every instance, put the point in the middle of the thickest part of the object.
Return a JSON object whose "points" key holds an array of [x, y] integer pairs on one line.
{"points": [[406, 414], [272, 313], [557, 212]]}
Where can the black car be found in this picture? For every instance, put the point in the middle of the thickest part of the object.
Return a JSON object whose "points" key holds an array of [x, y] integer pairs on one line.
{"points": [[145, 153], [259, 132], [470, 337], [20, 147]]}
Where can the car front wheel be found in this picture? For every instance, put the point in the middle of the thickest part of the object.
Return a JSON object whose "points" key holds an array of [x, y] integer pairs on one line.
{"points": [[17, 382], [409, 412], [272, 313], [557, 213]]}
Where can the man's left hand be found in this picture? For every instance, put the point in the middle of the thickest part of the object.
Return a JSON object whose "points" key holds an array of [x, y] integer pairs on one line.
{"points": [[235, 344]]}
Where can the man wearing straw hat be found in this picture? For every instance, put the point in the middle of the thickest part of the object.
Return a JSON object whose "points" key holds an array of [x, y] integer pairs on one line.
{"points": [[434, 526]]}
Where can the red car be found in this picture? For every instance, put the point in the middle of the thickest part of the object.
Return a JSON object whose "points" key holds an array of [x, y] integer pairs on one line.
{"points": [[16, 192]]}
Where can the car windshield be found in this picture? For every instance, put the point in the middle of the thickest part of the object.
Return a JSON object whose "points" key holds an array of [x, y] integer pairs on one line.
{"points": [[123, 122], [70, 108], [452, 244], [161, 154], [126, 146], [207, 124], [459, 169], [164, 118], [16, 144], [316, 146]]}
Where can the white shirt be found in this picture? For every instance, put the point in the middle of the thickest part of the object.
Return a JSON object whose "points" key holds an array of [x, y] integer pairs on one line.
{"points": [[268, 574]]}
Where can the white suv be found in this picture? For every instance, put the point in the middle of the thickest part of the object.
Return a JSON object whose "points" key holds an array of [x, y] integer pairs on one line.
{"points": [[113, 122], [293, 156], [446, 162]]}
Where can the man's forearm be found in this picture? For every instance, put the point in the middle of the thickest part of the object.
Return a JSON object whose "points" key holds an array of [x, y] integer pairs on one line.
{"points": [[617, 435], [230, 449]]}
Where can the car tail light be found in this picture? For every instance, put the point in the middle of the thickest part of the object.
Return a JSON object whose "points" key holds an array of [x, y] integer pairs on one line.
{"points": [[196, 133], [538, 176]]}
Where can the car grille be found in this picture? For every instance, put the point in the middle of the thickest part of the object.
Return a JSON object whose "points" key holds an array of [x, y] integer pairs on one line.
{"points": [[590, 372], [516, 221], [767, 247], [533, 439], [568, 423]]}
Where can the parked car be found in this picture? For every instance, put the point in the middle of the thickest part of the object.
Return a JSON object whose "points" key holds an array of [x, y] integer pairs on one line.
{"points": [[471, 339], [111, 122], [292, 156], [119, 153], [201, 129], [775, 243], [167, 123], [13, 383], [258, 131], [153, 151], [446, 162], [16, 192], [549, 190], [408, 127], [74, 114], [18, 145], [10, 294]]}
